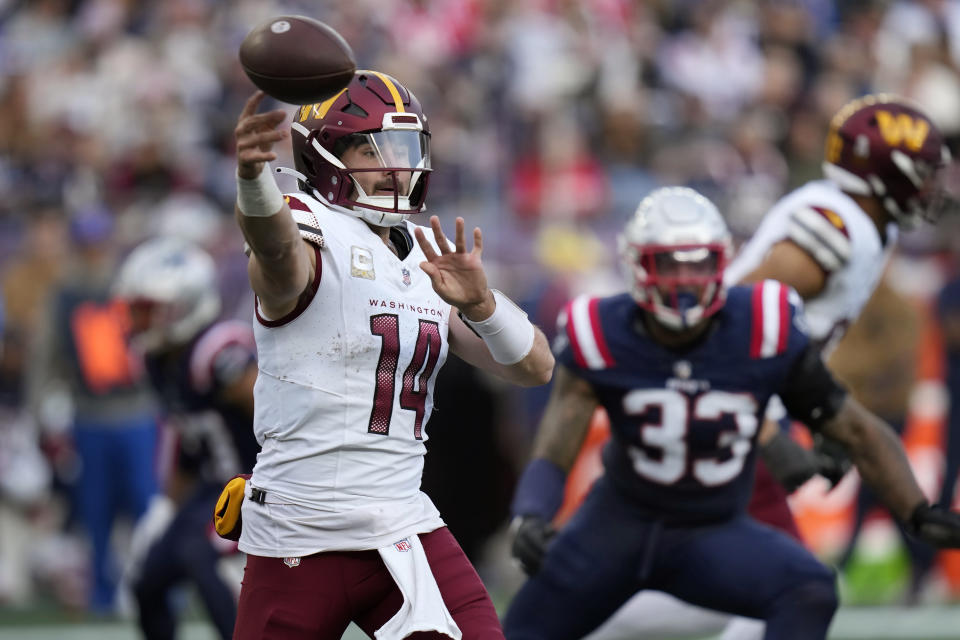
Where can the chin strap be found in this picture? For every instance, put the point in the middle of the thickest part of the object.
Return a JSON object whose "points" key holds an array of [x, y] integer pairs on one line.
{"points": [[287, 171]]}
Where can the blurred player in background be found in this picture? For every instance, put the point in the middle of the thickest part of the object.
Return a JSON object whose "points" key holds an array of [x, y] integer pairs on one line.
{"points": [[356, 311], [878, 360], [829, 240], [685, 370], [82, 350], [204, 372]]}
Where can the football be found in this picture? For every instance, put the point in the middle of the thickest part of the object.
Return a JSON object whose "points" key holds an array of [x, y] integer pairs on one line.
{"points": [[297, 59]]}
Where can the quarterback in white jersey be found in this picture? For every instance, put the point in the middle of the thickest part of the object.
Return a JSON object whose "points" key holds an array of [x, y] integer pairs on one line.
{"points": [[830, 240], [356, 312]]}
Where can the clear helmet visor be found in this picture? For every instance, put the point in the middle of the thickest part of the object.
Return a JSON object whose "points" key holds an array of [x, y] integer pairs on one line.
{"points": [[939, 194], [388, 168]]}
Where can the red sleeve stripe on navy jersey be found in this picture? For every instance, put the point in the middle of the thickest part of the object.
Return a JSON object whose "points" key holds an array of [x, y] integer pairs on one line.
{"points": [[756, 321], [212, 343], [784, 321], [586, 334], [770, 319], [574, 345]]}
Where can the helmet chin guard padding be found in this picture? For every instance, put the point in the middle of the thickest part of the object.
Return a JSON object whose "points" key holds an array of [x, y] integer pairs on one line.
{"points": [[673, 252], [378, 126], [885, 147], [171, 288]]}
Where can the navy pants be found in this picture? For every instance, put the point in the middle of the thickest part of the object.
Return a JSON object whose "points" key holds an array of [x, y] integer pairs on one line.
{"points": [[610, 550], [184, 554]]}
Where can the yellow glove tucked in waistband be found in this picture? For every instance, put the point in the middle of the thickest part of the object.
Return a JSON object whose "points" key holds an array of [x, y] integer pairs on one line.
{"points": [[226, 517]]}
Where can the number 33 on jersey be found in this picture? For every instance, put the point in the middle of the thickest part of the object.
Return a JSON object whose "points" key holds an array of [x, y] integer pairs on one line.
{"points": [[685, 422]]}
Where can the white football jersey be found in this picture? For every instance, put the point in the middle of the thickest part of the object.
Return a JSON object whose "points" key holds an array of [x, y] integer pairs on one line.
{"points": [[343, 396], [840, 236]]}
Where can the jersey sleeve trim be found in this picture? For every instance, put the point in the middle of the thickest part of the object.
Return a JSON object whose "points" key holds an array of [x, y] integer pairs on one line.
{"points": [[302, 303], [590, 349], [770, 325], [212, 343], [306, 220], [822, 234]]}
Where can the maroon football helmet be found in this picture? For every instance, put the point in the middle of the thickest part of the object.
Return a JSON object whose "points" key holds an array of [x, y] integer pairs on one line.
{"points": [[380, 125], [883, 146]]}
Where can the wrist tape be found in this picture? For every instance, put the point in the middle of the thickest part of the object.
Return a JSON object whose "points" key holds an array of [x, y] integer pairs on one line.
{"points": [[508, 333], [260, 197]]}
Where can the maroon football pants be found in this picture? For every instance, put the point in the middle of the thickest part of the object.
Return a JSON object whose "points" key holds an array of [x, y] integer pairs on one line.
{"points": [[768, 504], [317, 599]]}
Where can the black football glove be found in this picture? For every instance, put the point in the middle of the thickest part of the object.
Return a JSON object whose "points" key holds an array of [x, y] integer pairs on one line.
{"points": [[935, 525], [531, 535], [832, 460], [789, 462]]}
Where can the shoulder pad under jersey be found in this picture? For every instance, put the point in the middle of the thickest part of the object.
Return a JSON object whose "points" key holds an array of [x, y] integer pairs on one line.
{"points": [[306, 218], [823, 234]]}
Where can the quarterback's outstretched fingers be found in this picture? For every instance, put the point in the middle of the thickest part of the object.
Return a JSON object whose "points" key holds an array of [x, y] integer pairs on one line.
{"points": [[250, 106], [425, 246], [267, 120], [257, 155], [441, 239], [477, 241], [263, 138], [458, 238]]}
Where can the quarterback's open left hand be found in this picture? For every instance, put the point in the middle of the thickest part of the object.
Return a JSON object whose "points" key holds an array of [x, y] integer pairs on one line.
{"points": [[936, 525], [457, 274]]}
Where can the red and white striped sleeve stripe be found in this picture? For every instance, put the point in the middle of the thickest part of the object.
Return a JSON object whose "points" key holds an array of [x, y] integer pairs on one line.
{"points": [[306, 221], [586, 335], [823, 234], [770, 323]]}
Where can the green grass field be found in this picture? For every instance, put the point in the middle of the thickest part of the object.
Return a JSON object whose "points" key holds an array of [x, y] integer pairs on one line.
{"points": [[851, 623]]}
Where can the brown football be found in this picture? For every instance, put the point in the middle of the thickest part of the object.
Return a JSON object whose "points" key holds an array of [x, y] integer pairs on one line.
{"points": [[297, 59]]}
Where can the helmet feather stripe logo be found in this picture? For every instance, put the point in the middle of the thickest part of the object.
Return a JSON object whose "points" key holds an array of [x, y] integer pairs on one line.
{"points": [[320, 109], [392, 88]]}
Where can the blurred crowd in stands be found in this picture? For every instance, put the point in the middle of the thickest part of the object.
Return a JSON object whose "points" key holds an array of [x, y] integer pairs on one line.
{"points": [[550, 119]]}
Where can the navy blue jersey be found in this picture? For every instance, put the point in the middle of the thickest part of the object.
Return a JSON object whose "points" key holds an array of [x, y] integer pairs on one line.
{"points": [[190, 382], [685, 422], [948, 300]]}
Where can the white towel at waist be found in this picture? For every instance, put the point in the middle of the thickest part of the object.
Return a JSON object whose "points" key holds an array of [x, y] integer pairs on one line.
{"points": [[423, 608]]}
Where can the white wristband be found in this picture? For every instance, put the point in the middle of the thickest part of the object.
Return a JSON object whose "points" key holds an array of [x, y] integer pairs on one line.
{"points": [[507, 333], [260, 197]]}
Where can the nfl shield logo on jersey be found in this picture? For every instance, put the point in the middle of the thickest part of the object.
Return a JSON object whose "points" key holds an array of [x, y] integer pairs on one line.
{"points": [[682, 369], [406, 276], [403, 545], [292, 562]]}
